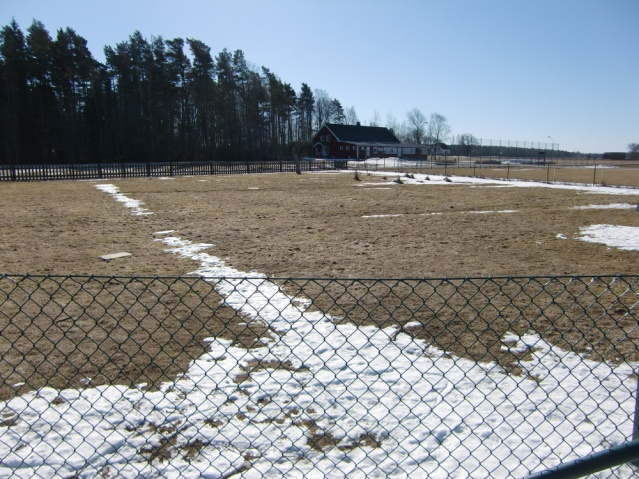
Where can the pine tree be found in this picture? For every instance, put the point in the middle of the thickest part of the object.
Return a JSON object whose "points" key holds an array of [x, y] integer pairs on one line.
{"points": [[305, 109], [14, 100], [43, 111], [201, 89], [337, 112]]}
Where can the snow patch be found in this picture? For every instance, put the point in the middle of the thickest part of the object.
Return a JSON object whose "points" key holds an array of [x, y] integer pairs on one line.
{"points": [[613, 206], [487, 212], [135, 205], [620, 237]]}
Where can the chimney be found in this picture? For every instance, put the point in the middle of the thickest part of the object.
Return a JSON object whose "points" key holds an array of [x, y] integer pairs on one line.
{"points": [[358, 124]]}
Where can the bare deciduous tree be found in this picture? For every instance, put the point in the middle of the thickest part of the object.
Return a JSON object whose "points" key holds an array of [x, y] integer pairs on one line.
{"points": [[322, 107], [398, 129], [438, 128], [467, 141], [350, 116], [375, 121], [416, 125]]}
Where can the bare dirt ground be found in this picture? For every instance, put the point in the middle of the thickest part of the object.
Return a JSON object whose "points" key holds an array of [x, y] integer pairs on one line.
{"points": [[315, 225]]}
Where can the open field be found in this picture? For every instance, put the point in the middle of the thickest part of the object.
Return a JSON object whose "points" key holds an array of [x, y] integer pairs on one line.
{"points": [[313, 225], [128, 375], [318, 225]]}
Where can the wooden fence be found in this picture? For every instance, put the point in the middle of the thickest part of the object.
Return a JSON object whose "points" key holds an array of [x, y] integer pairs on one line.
{"points": [[144, 170]]}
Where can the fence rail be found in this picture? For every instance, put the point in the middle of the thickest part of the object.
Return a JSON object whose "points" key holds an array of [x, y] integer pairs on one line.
{"points": [[144, 170], [264, 377]]}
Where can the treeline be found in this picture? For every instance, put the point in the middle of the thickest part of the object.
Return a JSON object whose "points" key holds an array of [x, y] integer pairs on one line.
{"points": [[476, 148], [152, 100]]}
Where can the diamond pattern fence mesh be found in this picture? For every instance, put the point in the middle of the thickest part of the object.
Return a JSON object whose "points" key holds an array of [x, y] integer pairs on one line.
{"points": [[264, 377]]}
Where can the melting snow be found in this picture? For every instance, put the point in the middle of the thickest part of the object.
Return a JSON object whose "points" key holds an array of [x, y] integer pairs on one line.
{"points": [[422, 410], [622, 237], [135, 205], [612, 206], [486, 212]]}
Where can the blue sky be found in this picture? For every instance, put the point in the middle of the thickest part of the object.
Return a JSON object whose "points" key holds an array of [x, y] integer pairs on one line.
{"points": [[549, 71]]}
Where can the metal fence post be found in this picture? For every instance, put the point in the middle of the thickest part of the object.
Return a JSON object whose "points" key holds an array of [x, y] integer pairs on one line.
{"points": [[635, 422], [595, 462]]}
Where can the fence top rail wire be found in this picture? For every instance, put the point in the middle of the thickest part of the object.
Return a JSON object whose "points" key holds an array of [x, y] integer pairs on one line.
{"points": [[331, 278]]}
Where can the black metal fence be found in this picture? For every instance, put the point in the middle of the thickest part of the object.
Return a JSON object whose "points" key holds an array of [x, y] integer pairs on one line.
{"points": [[144, 170], [262, 377]]}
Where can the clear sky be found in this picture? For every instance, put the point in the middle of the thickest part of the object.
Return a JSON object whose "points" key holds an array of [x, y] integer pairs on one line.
{"points": [[551, 71]]}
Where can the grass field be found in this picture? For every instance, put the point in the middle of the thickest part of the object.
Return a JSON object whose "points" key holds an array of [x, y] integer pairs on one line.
{"points": [[142, 369], [319, 225], [586, 172]]}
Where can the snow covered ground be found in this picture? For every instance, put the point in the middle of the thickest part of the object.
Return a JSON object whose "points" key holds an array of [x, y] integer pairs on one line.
{"points": [[399, 163], [391, 405]]}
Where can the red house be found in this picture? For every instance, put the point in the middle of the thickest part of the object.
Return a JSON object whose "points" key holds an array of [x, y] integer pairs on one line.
{"points": [[359, 142]]}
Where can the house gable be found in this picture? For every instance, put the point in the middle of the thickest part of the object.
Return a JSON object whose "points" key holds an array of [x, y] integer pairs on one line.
{"points": [[335, 140]]}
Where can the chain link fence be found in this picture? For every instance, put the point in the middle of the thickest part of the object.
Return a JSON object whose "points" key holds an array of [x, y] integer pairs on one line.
{"points": [[260, 377]]}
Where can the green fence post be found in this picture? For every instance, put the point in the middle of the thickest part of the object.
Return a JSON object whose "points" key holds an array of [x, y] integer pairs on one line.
{"points": [[635, 424]]}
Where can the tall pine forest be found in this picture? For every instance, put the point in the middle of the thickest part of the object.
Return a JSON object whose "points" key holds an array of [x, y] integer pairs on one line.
{"points": [[152, 100]]}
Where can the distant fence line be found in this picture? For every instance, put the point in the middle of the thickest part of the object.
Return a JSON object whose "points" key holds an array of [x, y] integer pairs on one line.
{"points": [[477, 164], [144, 170], [586, 172]]}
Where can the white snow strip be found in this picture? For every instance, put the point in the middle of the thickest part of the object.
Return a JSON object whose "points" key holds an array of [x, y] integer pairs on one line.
{"points": [[612, 206], [487, 212], [135, 205], [621, 237]]}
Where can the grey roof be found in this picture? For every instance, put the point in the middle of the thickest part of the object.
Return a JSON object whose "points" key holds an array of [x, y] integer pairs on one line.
{"points": [[358, 133]]}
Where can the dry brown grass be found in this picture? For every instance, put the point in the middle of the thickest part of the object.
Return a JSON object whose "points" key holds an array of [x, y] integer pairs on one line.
{"points": [[312, 225], [557, 174], [602, 173]]}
